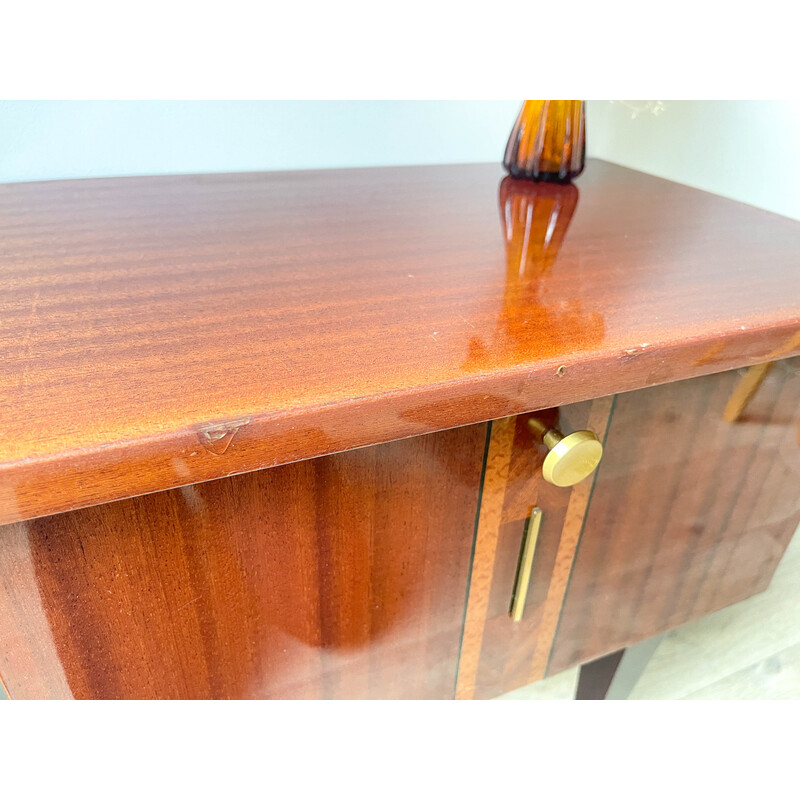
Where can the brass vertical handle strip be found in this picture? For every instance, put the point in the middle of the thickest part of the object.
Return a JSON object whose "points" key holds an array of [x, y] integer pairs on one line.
{"points": [[529, 539]]}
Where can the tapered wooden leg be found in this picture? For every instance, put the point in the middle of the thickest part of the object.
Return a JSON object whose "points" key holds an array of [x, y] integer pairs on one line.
{"points": [[613, 677], [745, 391]]}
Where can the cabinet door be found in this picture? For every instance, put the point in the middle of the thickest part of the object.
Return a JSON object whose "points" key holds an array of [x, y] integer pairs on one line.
{"points": [[339, 577], [690, 513], [499, 654]]}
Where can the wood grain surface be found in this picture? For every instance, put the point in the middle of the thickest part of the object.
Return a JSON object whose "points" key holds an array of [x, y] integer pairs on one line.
{"points": [[157, 332], [571, 530], [492, 500], [339, 577], [690, 512], [497, 653]]}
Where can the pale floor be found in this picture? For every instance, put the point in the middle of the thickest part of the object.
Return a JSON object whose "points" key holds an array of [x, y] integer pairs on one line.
{"points": [[750, 651]]}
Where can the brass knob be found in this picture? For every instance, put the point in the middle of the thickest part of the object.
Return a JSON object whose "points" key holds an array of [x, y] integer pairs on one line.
{"points": [[571, 458]]}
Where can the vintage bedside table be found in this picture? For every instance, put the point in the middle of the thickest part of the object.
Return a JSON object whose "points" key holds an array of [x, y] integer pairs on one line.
{"points": [[297, 434]]}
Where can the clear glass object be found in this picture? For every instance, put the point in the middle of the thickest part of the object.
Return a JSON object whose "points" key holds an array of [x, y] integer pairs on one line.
{"points": [[548, 141]]}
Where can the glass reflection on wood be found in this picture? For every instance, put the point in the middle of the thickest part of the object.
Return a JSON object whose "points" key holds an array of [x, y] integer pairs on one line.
{"points": [[535, 220], [541, 303]]}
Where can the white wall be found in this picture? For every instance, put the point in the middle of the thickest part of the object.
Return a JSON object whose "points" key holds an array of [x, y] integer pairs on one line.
{"points": [[44, 140], [746, 150], [741, 149]]}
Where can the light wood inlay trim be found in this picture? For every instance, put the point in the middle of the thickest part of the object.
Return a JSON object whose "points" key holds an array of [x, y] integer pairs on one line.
{"points": [[599, 417], [495, 482]]}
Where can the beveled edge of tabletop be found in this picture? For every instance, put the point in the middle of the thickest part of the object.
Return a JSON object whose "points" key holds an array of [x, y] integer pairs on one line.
{"points": [[34, 488]]}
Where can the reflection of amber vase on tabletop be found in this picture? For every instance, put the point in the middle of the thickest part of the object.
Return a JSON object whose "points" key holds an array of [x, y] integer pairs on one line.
{"points": [[548, 141], [542, 306], [535, 220]]}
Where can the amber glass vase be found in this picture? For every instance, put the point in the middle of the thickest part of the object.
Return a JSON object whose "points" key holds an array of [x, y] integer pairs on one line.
{"points": [[548, 142]]}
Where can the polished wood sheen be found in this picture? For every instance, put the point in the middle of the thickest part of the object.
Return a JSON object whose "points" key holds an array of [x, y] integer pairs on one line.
{"points": [[572, 527], [156, 332], [339, 577], [499, 654], [482, 570], [690, 512]]}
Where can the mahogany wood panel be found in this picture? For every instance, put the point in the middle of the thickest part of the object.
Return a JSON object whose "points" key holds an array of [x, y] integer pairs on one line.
{"points": [[339, 577], [498, 654], [574, 520], [690, 513], [161, 331]]}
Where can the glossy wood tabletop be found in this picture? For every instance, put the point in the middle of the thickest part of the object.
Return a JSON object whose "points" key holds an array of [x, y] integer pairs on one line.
{"points": [[161, 331]]}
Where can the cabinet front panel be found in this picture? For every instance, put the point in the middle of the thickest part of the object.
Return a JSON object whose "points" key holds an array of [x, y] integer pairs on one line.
{"points": [[500, 654], [690, 513], [338, 577]]}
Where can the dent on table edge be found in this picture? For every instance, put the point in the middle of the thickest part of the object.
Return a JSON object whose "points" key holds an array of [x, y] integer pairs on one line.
{"points": [[219, 448]]}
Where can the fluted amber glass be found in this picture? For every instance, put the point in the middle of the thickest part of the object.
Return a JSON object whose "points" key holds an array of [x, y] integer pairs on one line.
{"points": [[548, 141]]}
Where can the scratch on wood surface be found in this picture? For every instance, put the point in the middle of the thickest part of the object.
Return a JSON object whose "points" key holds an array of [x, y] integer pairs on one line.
{"points": [[190, 602]]}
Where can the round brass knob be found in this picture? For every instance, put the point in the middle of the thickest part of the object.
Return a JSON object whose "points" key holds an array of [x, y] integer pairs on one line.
{"points": [[571, 458]]}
